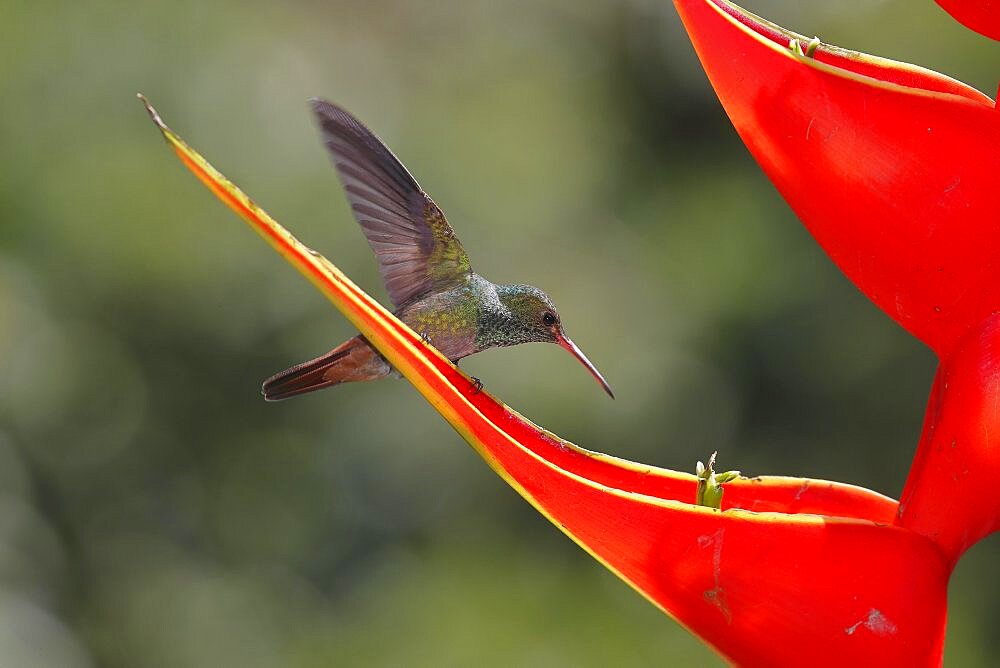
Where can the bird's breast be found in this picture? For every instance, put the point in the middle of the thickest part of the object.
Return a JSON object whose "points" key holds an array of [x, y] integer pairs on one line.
{"points": [[448, 319]]}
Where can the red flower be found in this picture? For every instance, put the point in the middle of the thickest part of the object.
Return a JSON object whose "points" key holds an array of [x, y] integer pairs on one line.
{"points": [[890, 166]]}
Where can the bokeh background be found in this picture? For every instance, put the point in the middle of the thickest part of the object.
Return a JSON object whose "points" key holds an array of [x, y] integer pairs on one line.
{"points": [[154, 511]]}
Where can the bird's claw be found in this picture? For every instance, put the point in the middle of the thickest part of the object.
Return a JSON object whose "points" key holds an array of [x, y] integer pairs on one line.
{"points": [[477, 385], [425, 337]]}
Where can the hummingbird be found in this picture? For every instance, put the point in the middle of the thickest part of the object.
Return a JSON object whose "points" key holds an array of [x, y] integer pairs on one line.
{"points": [[426, 272]]}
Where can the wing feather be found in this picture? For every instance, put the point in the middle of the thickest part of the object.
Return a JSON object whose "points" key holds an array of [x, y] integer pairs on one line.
{"points": [[417, 249]]}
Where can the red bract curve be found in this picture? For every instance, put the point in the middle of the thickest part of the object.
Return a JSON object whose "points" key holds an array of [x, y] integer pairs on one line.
{"points": [[893, 169], [890, 166], [951, 495], [983, 16], [779, 588]]}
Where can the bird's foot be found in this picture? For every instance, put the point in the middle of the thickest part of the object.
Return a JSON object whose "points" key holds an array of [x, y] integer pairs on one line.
{"points": [[425, 337], [477, 385]]}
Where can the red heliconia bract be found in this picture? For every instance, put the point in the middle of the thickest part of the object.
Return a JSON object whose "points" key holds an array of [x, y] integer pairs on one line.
{"points": [[950, 495], [892, 168], [874, 158], [983, 16]]}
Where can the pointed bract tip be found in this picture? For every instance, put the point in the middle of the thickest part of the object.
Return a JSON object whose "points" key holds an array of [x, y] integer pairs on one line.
{"points": [[152, 113]]}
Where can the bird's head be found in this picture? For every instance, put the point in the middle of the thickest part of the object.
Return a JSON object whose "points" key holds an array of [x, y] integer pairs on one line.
{"points": [[534, 318]]}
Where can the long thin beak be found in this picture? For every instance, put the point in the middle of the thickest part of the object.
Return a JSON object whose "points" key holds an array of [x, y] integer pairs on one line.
{"points": [[575, 351]]}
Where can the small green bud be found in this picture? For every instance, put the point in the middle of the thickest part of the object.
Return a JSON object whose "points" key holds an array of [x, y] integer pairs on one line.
{"points": [[811, 48], [710, 491], [795, 46]]}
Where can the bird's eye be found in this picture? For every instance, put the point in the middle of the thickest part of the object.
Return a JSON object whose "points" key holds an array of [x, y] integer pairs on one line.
{"points": [[548, 319]]}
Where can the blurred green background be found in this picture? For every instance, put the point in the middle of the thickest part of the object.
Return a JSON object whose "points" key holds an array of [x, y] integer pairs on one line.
{"points": [[154, 511]]}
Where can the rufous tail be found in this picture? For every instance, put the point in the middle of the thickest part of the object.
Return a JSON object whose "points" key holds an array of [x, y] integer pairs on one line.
{"points": [[352, 361]]}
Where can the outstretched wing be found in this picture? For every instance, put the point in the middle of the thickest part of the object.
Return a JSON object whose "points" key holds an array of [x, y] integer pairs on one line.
{"points": [[417, 250]]}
